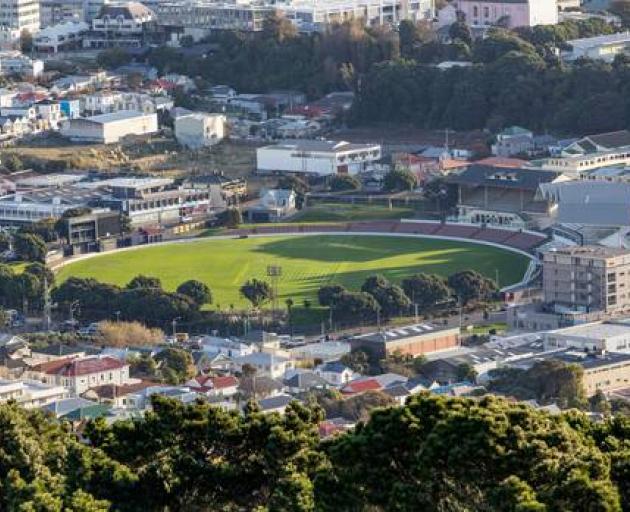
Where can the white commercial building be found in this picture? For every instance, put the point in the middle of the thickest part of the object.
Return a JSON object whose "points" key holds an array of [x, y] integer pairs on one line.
{"points": [[200, 129], [200, 17], [317, 157], [604, 48], [109, 128], [30, 394], [61, 37], [16, 17], [596, 336]]}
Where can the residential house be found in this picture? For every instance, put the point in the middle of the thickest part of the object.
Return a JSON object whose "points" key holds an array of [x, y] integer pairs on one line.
{"points": [[269, 365], [224, 386], [273, 205], [225, 346], [513, 141], [277, 404], [117, 395], [79, 375], [304, 381], [55, 352], [336, 373], [30, 394], [357, 387]]}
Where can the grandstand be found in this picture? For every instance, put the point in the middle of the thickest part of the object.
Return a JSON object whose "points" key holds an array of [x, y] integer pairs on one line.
{"points": [[516, 239], [503, 197]]}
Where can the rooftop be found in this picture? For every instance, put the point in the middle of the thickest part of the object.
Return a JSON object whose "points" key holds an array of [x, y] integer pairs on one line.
{"points": [[115, 117], [400, 333], [599, 330], [523, 178], [321, 145], [591, 251]]}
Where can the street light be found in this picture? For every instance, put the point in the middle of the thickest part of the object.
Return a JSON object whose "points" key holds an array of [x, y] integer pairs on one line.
{"points": [[117, 313], [174, 322]]}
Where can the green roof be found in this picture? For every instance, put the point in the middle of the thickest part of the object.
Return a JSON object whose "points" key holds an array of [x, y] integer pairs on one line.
{"points": [[88, 412]]}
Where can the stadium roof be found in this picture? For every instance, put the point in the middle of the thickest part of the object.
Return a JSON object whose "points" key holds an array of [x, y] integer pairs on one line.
{"points": [[524, 179], [601, 203]]}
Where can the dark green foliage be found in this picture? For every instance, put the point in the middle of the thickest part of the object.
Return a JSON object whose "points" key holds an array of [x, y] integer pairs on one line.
{"points": [[471, 286], [427, 290], [199, 292], [29, 247], [438, 453], [144, 301], [232, 218], [390, 297], [145, 282], [546, 381], [113, 58], [399, 180], [176, 365], [355, 307], [343, 182], [257, 292], [329, 293], [435, 453]]}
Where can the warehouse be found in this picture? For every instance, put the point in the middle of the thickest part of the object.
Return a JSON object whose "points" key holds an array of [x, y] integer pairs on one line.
{"points": [[109, 128], [412, 340], [317, 157]]}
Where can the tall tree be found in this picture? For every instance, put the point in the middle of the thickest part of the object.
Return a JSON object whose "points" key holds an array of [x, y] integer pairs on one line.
{"points": [[257, 292]]}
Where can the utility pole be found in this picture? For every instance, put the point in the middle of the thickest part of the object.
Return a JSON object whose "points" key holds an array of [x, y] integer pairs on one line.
{"points": [[274, 272], [47, 304]]}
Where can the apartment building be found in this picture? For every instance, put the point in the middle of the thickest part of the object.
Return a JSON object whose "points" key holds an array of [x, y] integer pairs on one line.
{"points": [[587, 278], [16, 17], [203, 16], [29, 393], [512, 13]]}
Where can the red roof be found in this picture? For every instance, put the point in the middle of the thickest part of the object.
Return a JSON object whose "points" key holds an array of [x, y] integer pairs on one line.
{"points": [[361, 386], [51, 367], [76, 367], [500, 161], [228, 381], [208, 383]]}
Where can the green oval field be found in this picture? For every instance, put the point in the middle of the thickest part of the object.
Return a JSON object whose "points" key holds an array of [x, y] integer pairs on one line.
{"points": [[308, 262]]}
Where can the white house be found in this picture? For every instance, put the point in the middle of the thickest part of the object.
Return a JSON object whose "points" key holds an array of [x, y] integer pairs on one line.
{"points": [[109, 128], [274, 205], [225, 346], [79, 375], [200, 129], [30, 394], [269, 365], [335, 372], [317, 157]]}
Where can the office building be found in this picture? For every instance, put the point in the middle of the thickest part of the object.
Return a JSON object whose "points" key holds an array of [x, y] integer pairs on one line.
{"points": [[587, 279], [17, 17], [317, 157]]}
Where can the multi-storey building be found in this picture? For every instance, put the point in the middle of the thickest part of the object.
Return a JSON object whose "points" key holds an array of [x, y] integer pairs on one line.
{"points": [[587, 278], [16, 17], [125, 25], [512, 13], [308, 15]]}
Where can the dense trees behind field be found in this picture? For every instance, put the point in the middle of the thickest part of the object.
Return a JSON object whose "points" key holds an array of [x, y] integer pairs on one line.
{"points": [[517, 77], [435, 453]]}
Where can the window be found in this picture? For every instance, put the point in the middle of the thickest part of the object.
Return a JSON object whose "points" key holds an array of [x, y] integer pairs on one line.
{"points": [[475, 11]]}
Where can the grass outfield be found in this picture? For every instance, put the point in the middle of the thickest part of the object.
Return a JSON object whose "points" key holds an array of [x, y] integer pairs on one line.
{"points": [[308, 262]]}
